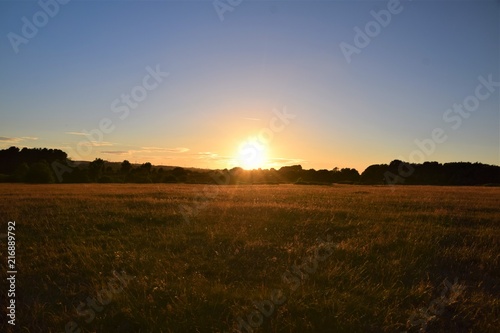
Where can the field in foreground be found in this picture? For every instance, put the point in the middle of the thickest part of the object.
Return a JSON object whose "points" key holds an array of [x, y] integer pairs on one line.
{"points": [[189, 258]]}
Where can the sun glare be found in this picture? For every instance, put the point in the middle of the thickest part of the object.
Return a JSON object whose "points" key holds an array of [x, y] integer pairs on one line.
{"points": [[252, 155]]}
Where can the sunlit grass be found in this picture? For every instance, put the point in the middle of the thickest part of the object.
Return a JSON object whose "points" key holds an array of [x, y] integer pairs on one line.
{"points": [[395, 246]]}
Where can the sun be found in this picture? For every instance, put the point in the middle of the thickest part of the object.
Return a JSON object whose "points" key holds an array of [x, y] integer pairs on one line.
{"points": [[252, 155]]}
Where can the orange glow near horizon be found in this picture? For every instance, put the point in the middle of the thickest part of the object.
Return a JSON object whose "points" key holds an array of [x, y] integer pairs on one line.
{"points": [[252, 154]]}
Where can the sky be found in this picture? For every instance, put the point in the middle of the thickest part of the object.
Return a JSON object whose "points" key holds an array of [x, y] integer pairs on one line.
{"points": [[219, 84]]}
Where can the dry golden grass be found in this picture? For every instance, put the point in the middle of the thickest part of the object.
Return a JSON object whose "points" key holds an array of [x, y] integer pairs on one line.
{"points": [[394, 247]]}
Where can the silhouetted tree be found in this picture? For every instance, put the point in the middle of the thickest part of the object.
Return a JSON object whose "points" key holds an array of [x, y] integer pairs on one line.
{"points": [[126, 167], [180, 174], [349, 175], [96, 169], [34, 165], [169, 179], [374, 174], [291, 173], [77, 175], [10, 160], [21, 173], [146, 167], [40, 172]]}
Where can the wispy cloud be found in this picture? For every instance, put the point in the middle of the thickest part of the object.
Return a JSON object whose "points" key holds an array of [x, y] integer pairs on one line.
{"points": [[212, 156], [97, 143], [281, 161], [75, 133], [163, 150], [16, 140], [207, 154], [116, 152], [6, 139]]}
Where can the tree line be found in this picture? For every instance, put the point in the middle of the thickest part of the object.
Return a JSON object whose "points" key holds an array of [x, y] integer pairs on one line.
{"points": [[42, 165]]}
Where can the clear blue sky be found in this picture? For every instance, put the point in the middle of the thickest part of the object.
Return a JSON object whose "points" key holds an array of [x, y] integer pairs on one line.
{"points": [[225, 78]]}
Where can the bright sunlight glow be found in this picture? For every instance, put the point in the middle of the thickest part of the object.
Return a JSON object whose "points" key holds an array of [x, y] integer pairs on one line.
{"points": [[252, 155]]}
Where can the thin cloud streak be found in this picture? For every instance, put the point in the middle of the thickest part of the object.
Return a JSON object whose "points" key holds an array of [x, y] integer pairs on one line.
{"points": [[178, 150], [17, 140], [97, 144], [75, 133], [116, 152]]}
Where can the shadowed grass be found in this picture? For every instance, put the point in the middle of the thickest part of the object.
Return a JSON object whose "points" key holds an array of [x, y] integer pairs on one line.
{"points": [[394, 248]]}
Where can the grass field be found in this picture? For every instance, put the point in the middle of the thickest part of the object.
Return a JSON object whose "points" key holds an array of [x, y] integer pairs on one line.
{"points": [[128, 258]]}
